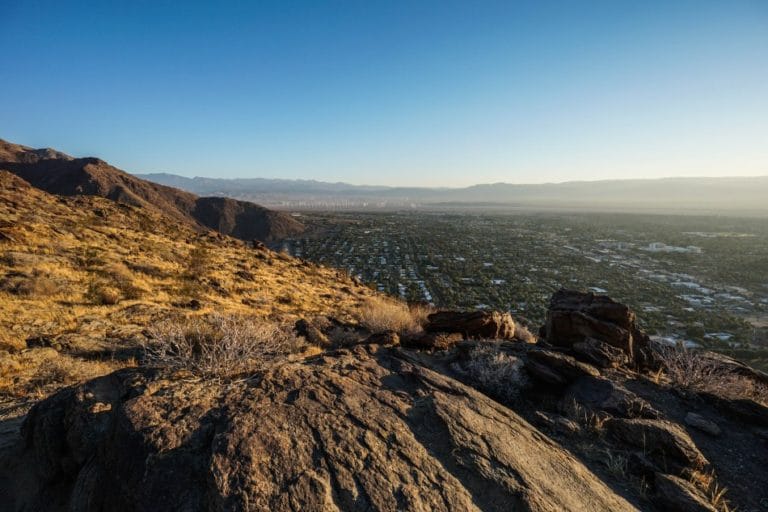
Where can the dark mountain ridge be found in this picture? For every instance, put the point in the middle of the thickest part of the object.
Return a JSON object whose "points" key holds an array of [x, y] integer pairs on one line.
{"points": [[58, 173]]}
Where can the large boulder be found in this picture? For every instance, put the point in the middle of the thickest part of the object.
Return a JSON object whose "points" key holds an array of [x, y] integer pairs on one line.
{"points": [[742, 409], [601, 395], [585, 320], [673, 494], [361, 429], [473, 324], [312, 333], [557, 369], [666, 443], [600, 354], [434, 340]]}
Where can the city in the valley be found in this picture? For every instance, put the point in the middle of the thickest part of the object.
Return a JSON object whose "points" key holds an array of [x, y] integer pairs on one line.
{"points": [[698, 281]]}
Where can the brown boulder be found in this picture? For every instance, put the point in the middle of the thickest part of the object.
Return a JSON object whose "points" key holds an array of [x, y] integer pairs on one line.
{"points": [[600, 354], [673, 494], [361, 429], [575, 317], [604, 395], [383, 338], [544, 374], [561, 364], [473, 324], [434, 340], [741, 409], [311, 333], [666, 443]]}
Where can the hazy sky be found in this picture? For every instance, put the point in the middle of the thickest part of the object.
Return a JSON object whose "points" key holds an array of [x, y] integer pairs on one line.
{"points": [[393, 92]]}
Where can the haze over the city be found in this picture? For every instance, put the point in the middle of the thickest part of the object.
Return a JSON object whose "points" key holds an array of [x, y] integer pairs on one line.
{"points": [[393, 93]]}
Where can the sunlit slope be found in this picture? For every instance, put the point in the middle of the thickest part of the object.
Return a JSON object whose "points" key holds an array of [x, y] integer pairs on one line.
{"points": [[85, 276]]}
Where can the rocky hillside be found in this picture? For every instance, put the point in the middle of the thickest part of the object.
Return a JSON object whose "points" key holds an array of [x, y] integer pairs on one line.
{"points": [[61, 174], [81, 277], [146, 366], [590, 417]]}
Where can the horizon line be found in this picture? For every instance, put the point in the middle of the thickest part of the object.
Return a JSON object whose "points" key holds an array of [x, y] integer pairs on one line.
{"points": [[448, 187]]}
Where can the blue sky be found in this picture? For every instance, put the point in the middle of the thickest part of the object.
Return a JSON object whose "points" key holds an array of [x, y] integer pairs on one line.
{"points": [[389, 92]]}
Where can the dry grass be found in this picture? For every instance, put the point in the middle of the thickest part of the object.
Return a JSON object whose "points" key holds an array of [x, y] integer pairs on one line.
{"points": [[35, 373], [40, 286], [617, 463], [378, 314], [219, 346], [124, 280], [714, 492], [420, 313], [102, 293], [67, 274], [198, 261], [35, 285], [524, 334], [585, 417], [691, 370], [493, 371]]}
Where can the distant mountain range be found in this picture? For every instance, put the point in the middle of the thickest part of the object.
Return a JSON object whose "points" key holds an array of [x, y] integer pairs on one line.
{"points": [[58, 173], [734, 196]]}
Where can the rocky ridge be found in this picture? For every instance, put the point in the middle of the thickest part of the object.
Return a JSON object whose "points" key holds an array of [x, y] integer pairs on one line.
{"points": [[58, 173], [387, 427]]}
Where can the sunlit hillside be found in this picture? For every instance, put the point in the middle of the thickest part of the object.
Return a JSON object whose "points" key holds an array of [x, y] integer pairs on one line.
{"points": [[82, 277]]}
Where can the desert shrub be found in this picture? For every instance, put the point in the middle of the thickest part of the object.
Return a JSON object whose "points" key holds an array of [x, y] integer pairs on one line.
{"points": [[122, 279], [685, 367], [146, 223], [90, 257], [592, 420], [198, 261], [58, 371], [707, 483], [693, 371], [37, 285], [379, 314], [344, 337], [8, 259], [102, 293], [147, 269], [420, 313], [218, 346], [493, 371]]}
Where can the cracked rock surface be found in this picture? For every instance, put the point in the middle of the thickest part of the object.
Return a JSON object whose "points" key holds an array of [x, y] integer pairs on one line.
{"points": [[367, 428]]}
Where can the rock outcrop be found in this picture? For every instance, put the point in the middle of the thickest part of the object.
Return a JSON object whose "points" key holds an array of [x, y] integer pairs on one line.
{"points": [[556, 369], [601, 395], [360, 429], [473, 324], [600, 354], [390, 424], [674, 494], [435, 340], [590, 324], [666, 443]]}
